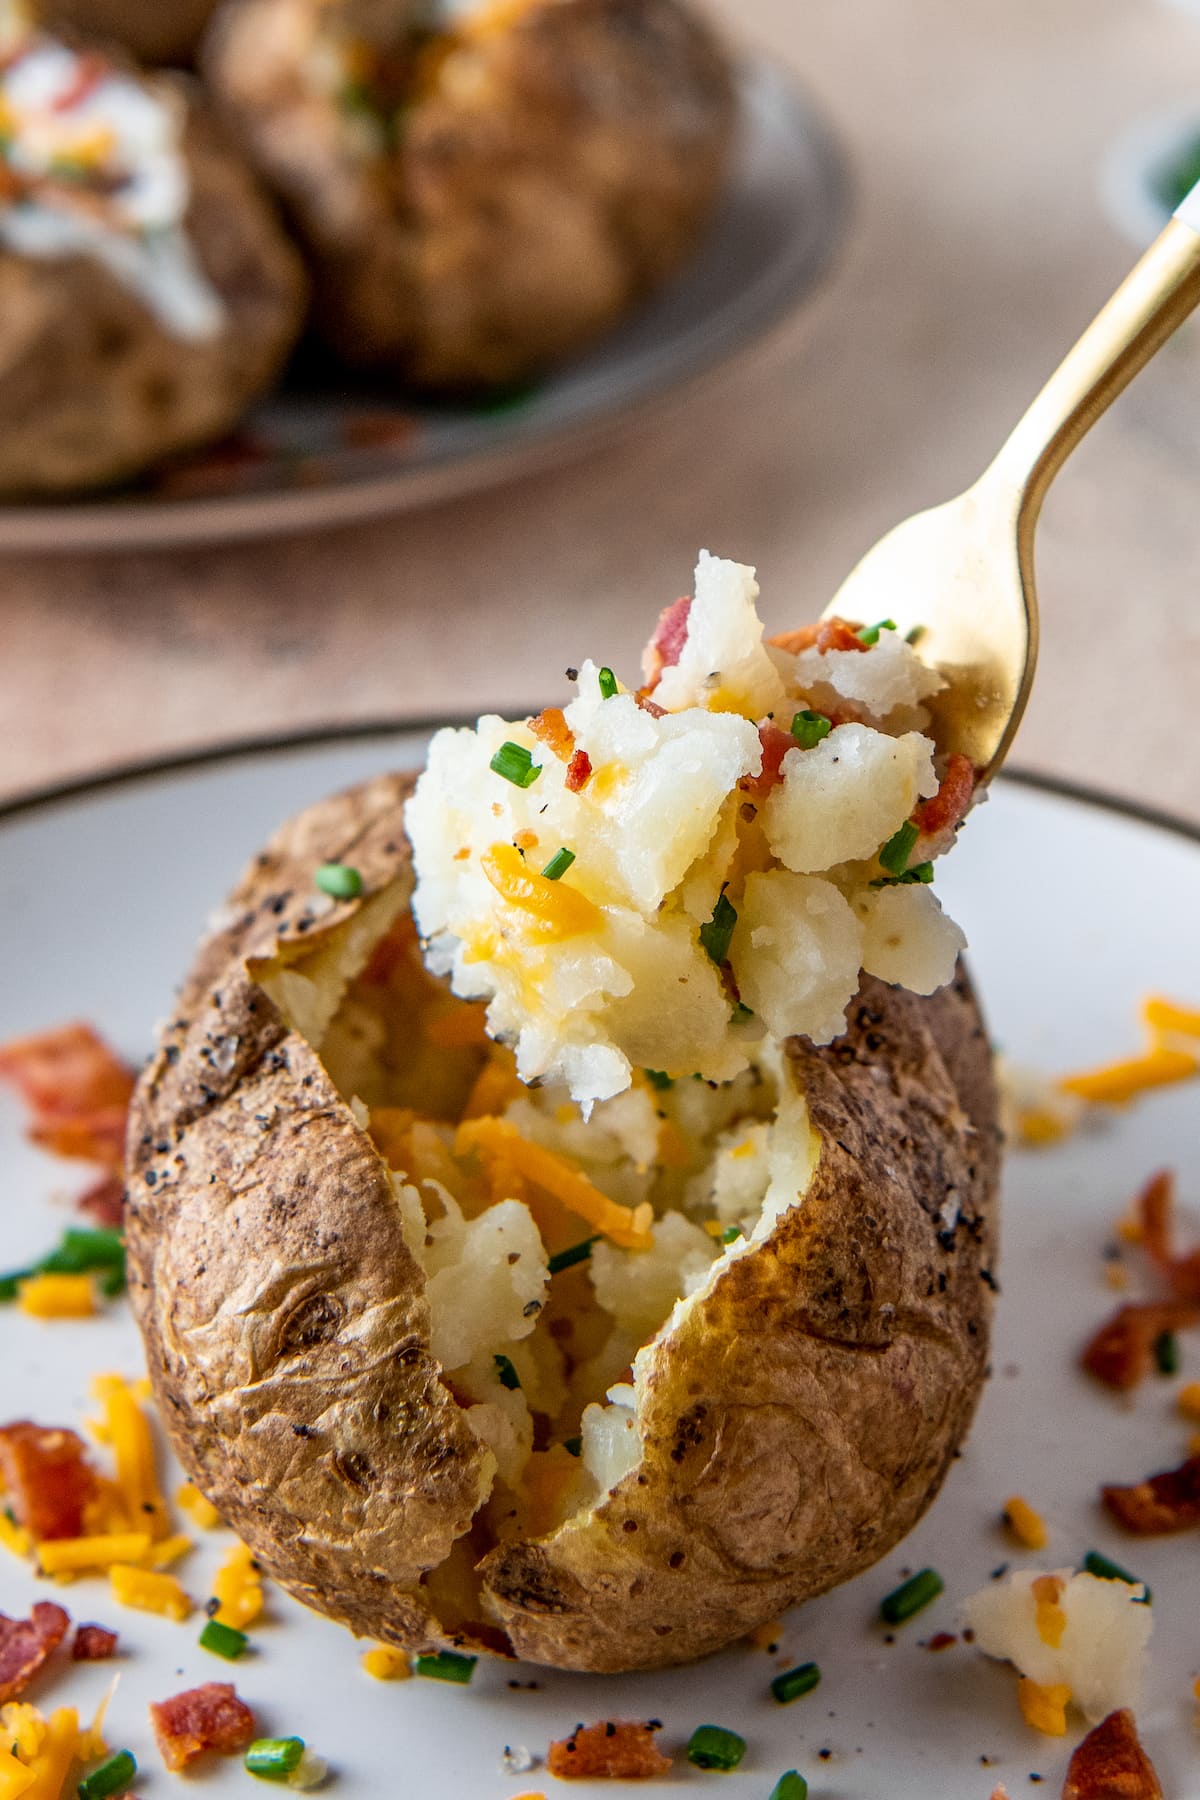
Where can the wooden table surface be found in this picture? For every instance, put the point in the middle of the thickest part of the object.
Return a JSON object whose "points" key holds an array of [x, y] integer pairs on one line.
{"points": [[977, 250]]}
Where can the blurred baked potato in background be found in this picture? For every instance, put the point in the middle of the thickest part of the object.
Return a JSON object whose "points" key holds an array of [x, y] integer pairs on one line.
{"points": [[484, 193], [155, 31]]}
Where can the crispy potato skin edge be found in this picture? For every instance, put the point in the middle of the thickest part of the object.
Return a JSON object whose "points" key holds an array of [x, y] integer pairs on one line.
{"points": [[798, 1423]]}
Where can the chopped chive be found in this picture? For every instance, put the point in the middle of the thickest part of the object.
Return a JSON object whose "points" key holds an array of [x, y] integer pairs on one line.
{"points": [[558, 865], [1166, 1353], [808, 728], [81, 1251], [658, 1079], [573, 1446], [112, 1777], [447, 1665], [740, 1014], [712, 1747], [920, 873], [911, 1596], [10, 1515], [899, 847], [516, 764], [1107, 1570], [274, 1758], [10, 1284], [791, 1786], [731, 1233], [915, 635], [339, 881], [508, 1375], [608, 684], [715, 936], [566, 1259], [112, 1282], [794, 1682], [223, 1640], [870, 633]]}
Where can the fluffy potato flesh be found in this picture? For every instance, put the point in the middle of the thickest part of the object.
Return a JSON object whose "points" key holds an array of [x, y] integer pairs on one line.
{"points": [[347, 1251]]}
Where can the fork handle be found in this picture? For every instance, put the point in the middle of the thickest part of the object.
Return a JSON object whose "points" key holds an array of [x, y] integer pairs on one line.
{"points": [[1153, 300]]}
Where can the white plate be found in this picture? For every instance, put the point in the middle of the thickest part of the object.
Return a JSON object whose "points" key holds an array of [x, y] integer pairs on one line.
{"points": [[1074, 912], [295, 466]]}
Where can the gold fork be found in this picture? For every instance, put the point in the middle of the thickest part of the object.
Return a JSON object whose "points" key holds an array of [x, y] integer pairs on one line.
{"points": [[963, 572]]}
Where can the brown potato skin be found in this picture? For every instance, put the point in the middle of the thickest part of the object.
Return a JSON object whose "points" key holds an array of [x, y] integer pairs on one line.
{"points": [[93, 389], [563, 167], [154, 31], [798, 1423]]}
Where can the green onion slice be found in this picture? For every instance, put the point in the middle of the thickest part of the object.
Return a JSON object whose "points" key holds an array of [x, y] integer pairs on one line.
{"points": [[899, 847], [1166, 1353], [558, 865], [808, 728], [915, 635], [447, 1665], [658, 1079], [339, 881], [223, 1640], [911, 1596], [920, 874], [112, 1777], [566, 1259], [1107, 1570], [274, 1758], [573, 1446], [508, 1375], [713, 1747], [791, 1786], [608, 684], [715, 936], [794, 1682], [516, 764], [731, 1234], [870, 633]]}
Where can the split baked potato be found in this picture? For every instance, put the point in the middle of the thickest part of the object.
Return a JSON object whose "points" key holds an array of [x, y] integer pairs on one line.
{"points": [[482, 190], [148, 294]]}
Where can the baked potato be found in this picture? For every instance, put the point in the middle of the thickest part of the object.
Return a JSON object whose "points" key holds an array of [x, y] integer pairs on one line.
{"points": [[148, 294], [601, 1382], [154, 31], [483, 191]]}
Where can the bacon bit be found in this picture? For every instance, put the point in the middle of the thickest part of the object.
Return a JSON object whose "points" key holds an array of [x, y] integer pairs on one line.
{"points": [[204, 1718], [775, 743], [525, 840], [666, 646], [950, 805], [90, 71], [579, 771], [1162, 1503], [825, 635], [942, 1640], [26, 1643], [1110, 1764], [93, 1643], [1153, 1208], [1000, 1792], [46, 1472], [1121, 1352], [620, 1752], [650, 706], [104, 1202], [550, 728], [66, 1072]]}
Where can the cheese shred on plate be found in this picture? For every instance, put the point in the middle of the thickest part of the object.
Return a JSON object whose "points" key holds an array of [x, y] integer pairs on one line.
{"points": [[662, 879]]}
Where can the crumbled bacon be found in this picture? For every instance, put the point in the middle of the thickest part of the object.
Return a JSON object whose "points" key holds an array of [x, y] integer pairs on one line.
{"points": [[621, 1752], [1110, 1764], [1162, 1503], [942, 1640], [775, 743], [550, 728], [666, 646], [825, 635], [204, 1718], [93, 1643], [104, 1202], [648, 705], [579, 771], [949, 806], [77, 1091], [26, 1643], [90, 70], [1121, 1352], [1154, 1209], [49, 1482]]}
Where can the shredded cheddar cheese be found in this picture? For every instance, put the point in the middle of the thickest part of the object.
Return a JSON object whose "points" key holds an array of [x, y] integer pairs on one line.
{"points": [[552, 909], [1115, 1084], [128, 1433], [57, 1296], [14, 1537], [148, 1591], [1047, 1593], [1044, 1708], [58, 1751], [1188, 1400], [1164, 1017], [169, 1550], [629, 1228], [67, 1556], [22, 1728], [15, 1778], [198, 1508], [237, 1588], [1026, 1525], [383, 1663]]}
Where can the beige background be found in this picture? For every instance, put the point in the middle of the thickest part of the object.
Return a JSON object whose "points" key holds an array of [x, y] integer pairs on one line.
{"points": [[978, 248]]}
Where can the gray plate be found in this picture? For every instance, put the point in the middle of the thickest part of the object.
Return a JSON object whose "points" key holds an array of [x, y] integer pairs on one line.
{"points": [[328, 455]]}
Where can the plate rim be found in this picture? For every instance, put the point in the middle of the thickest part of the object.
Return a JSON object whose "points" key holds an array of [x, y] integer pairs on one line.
{"points": [[98, 525], [317, 737]]}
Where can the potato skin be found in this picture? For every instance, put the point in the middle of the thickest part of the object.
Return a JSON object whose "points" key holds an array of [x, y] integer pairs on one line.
{"points": [[93, 388], [799, 1421], [154, 31], [562, 167]]}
